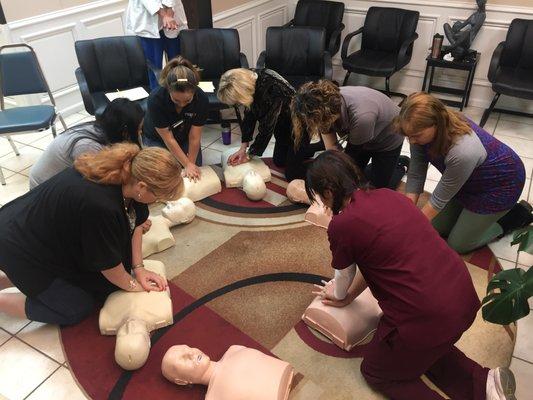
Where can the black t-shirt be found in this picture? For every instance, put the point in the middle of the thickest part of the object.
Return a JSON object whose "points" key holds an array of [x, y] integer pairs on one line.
{"points": [[161, 113], [69, 228]]}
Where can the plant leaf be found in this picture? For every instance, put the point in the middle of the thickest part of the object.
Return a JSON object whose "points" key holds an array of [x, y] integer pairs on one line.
{"points": [[524, 238]]}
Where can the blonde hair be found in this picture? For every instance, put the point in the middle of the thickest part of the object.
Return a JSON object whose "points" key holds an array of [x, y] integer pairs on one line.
{"points": [[237, 86], [314, 109], [421, 111], [120, 163], [180, 75]]}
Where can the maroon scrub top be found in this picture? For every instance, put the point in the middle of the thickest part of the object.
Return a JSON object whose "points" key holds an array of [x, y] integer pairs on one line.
{"points": [[421, 284]]}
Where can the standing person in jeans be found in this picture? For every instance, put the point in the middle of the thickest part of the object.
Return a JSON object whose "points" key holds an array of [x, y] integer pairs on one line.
{"points": [[482, 178], [157, 23], [380, 240], [77, 237], [266, 96], [364, 116], [176, 113]]}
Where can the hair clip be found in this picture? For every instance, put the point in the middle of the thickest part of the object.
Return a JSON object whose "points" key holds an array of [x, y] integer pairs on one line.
{"points": [[182, 80]]}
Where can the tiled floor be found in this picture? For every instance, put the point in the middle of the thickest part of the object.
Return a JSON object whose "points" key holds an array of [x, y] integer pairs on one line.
{"points": [[32, 364]]}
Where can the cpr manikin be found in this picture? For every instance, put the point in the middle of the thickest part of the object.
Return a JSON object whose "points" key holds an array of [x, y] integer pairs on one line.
{"points": [[159, 237], [348, 326], [234, 174], [131, 316], [253, 186], [241, 374], [208, 185], [317, 213]]}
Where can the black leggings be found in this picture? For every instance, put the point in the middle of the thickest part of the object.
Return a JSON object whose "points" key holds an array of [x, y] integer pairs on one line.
{"points": [[61, 303], [297, 161], [384, 171]]}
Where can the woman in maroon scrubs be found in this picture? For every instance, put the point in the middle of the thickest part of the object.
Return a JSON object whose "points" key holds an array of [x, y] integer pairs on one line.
{"points": [[422, 286]]}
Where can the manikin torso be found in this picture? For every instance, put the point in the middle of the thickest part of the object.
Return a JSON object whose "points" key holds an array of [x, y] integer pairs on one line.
{"points": [[208, 185], [234, 174], [245, 374]]}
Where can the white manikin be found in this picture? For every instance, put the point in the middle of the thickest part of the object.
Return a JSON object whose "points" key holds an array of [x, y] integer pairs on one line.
{"points": [[316, 214], [208, 185], [132, 316], [348, 326], [241, 374], [253, 186], [234, 174], [159, 237]]}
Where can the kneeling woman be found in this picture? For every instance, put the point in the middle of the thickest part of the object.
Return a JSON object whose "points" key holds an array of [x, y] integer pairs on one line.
{"points": [[482, 178], [76, 238], [425, 291]]}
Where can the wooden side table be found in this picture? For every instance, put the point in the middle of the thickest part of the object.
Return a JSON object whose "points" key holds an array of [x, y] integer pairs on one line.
{"points": [[468, 64]]}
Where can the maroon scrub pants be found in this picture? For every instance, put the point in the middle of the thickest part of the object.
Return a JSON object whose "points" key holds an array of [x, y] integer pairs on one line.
{"points": [[394, 368]]}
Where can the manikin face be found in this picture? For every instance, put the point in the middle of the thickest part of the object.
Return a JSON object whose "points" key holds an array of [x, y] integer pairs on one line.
{"points": [[420, 137], [181, 211], [184, 365]]}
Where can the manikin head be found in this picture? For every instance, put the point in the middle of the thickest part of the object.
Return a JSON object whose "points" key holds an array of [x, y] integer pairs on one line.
{"points": [[133, 344], [254, 186], [184, 365], [296, 191], [181, 211]]}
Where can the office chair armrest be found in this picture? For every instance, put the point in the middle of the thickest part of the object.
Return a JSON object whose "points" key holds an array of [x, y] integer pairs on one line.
{"points": [[335, 39], [84, 89], [495, 62], [261, 60], [328, 66], [244, 60], [288, 24], [346, 42], [405, 45]]}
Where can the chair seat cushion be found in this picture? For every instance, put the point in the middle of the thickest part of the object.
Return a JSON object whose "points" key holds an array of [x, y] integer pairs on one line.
{"points": [[516, 82], [22, 119], [371, 62], [214, 103]]}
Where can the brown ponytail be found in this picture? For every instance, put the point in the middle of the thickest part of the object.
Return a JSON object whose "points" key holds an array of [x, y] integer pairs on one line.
{"points": [[120, 163], [180, 75]]}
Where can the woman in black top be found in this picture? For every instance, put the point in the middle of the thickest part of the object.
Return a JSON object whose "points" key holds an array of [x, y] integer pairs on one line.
{"points": [[266, 96], [77, 237], [176, 113]]}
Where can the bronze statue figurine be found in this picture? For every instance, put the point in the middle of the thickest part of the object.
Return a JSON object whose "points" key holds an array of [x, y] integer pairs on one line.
{"points": [[462, 34]]}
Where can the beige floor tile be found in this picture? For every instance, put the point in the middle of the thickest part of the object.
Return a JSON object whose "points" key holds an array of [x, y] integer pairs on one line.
{"points": [[528, 165], [25, 172], [73, 119], [16, 185], [525, 259], [22, 369], [516, 118], [502, 248], [60, 386], [27, 138], [4, 337], [209, 135], [430, 185], [210, 156], [5, 147], [515, 129], [524, 340], [45, 338], [28, 156], [526, 190], [43, 143], [475, 114], [506, 264], [218, 145], [522, 147], [523, 373]]}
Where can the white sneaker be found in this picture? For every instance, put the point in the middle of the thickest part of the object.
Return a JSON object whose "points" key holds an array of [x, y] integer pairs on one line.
{"points": [[501, 384]]}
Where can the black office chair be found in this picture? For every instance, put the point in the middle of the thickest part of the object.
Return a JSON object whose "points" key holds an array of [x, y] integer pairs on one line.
{"points": [[298, 54], [109, 64], [21, 74], [511, 67], [321, 14], [215, 51], [387, 41]]}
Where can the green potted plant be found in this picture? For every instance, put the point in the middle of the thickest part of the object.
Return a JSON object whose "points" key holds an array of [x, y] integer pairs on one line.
{"points": [[508, 291]]}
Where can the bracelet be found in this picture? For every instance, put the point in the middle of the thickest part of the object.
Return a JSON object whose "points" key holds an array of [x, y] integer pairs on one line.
{"points": [[141, 265]]}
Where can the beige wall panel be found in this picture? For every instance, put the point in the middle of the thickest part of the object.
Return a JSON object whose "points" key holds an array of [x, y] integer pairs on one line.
{"points": [[222, 5]]}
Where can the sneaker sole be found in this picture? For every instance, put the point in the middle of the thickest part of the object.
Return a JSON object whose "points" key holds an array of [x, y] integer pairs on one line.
{"points": [[507, 383]]}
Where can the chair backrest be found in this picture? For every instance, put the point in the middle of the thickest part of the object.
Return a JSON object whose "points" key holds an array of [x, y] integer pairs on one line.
{"points": [[518, 49], [213, 50], [20, 72], [319, 13], [295, 51], [385, 29], [111, 63]]}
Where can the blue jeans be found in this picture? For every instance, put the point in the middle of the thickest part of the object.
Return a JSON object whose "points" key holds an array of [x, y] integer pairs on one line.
{"points": [[184, 144], [153, 51]]}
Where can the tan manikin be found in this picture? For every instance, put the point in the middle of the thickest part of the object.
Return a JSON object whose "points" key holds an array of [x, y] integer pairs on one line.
{"points": [[131, 316], [234, 174], [159, 237], [317, 213], [208, 185], [254, 186], [241, 374]]}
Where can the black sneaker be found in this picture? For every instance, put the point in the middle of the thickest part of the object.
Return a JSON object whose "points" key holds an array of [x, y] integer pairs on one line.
{"points": [[404, 162], [520, 216]]}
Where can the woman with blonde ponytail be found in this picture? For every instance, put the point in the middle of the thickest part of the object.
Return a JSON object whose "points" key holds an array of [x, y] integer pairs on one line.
{"points": [[77, 237], [176, 113]]}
